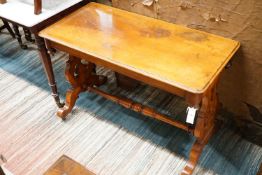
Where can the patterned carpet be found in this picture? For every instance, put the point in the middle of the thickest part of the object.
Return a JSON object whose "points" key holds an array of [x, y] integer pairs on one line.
{"points": [[101, 135]]}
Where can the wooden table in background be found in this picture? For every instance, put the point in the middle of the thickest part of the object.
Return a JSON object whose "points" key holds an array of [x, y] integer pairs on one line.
{"points": [[174, 58], [66, 166]]}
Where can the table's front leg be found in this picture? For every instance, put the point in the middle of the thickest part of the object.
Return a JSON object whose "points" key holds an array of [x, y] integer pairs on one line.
{"points": [[204, 128], [47, 64]]}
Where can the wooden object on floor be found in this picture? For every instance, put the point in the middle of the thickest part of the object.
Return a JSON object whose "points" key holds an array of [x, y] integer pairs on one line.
{"points": [[66, 166], [177, 59]]}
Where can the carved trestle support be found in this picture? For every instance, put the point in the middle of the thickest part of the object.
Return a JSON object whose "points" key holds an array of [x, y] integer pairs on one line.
{"points": [[82, 77], [205, 127]]}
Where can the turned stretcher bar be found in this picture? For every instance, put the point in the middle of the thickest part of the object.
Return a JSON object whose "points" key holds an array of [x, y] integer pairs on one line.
{"points": [[145, 110]]}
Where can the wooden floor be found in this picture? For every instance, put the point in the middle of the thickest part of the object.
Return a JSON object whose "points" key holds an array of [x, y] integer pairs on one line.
{"points": [[102, 136]]}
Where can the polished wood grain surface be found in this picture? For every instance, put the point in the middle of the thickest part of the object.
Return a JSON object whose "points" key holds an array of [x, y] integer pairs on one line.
{"points": [[67, 166], [176, 55]]}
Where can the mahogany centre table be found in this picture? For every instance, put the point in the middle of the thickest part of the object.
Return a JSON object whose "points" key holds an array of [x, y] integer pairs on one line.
{"points": [[182, 61]]}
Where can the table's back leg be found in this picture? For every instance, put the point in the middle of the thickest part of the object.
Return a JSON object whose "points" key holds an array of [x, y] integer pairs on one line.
{"points": [[46, 61], [19, 37], [28, 35], [204, 128]]}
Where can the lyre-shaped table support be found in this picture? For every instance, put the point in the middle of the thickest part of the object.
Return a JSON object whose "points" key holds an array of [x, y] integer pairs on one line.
{"points": [[82, 77], [205, 127]]}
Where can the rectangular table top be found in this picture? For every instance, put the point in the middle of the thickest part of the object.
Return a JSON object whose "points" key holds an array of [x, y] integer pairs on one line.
{"points": [[179, 56]]}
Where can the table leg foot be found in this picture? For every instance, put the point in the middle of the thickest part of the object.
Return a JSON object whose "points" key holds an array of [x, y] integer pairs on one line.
{"points": [[57, 101], [194, 156], [71, 97]]}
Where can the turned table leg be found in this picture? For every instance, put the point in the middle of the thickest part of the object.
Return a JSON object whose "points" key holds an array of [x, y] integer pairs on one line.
{"points": [[46, 61], [19, 37], [204, 128], [28, 35], [80, 76]]}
